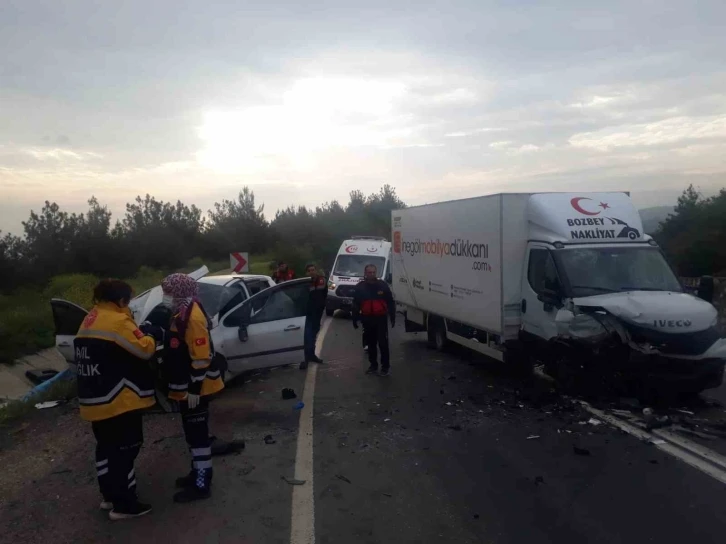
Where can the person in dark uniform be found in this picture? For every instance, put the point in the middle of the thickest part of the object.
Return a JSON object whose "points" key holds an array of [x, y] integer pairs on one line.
{"points": [[315, 308], [115, 383], [283, 273], [193, 379], [373, 305]]}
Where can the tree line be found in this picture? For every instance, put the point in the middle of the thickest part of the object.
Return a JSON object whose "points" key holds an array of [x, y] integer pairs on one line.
{"points": [[166, 235], [694, 235]]}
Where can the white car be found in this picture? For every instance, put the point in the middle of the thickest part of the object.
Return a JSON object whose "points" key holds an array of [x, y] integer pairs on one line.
{"points": [[255, 323]]}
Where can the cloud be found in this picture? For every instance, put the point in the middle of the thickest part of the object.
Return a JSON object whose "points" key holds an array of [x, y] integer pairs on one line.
{"points": [[306, 105]]}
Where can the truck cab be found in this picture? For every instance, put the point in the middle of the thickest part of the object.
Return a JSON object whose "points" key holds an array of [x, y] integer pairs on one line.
{"points": [[350, 262]]}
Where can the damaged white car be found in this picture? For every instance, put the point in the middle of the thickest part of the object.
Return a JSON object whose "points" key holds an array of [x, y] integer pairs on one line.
{"points": [[255, 323]]}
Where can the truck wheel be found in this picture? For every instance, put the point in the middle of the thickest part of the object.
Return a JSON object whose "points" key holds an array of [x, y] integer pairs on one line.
{"points": [[329, 312], [437, 335]]}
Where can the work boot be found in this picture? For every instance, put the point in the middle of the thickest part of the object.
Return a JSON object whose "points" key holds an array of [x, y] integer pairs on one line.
{"points": [[186, 481], [129, 510], [317, 359], [385, 372], [191, 494], [372, 370], [199, 489], [106, 506], [304, 365]]}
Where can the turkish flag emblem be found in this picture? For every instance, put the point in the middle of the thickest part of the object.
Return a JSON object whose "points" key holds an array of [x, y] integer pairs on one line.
{"points": [[138, 334], [200, 342], [174, 343]]}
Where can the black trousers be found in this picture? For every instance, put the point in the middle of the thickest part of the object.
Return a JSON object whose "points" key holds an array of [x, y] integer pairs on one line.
{"points": [[312, 328], [375, 336], [118, 442], [196, 432]]}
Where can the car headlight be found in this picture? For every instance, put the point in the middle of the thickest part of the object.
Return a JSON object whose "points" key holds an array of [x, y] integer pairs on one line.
{"points": [[331, 285]]}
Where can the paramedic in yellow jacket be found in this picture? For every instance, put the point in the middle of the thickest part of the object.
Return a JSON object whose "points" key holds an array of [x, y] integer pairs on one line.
{"points": [[115, 383], [193, 378]]}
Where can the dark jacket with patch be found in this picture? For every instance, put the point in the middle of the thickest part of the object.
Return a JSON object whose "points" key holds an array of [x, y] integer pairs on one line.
{"points": [[318, 290], [373, 300]]}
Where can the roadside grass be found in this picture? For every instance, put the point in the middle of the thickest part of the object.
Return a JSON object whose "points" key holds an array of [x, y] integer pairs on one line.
{"points": [[26, 320], [15, 409]]}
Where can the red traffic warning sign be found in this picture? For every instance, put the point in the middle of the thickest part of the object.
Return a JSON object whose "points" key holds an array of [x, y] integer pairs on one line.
{"points": [[239, 262]]}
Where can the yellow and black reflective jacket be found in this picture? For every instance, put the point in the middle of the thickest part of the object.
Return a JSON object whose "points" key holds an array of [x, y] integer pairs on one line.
{"points": [[189, 357], [112, 357]]}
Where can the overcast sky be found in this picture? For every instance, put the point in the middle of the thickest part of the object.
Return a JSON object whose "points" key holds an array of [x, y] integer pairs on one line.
{"points": [[305, 102]]}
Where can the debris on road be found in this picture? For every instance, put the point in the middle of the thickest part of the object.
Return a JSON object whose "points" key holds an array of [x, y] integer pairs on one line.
{"points": [[455, 427], [580, 451], [595, 422], [223, 447], [343, 479], [686, 412], [386, 420], [538, 480], [269, 440], [451, 378], [293, 481], [299, 406], [48, 404], [533, 437], [288, 394]]}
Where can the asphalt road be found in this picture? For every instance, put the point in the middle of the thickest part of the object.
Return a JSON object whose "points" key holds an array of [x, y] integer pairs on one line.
{"points": [[441, 451]]}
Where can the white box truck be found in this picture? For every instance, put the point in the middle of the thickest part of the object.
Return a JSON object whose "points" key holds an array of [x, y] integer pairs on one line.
{"points": [[568, 280]]}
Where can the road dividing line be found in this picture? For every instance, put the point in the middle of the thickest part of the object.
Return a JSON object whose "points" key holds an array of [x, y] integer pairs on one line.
{"points": [[302, 524]]}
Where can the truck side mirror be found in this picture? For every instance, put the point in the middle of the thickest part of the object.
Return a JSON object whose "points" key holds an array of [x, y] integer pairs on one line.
{"points": [[705, 289], [551, 299]]}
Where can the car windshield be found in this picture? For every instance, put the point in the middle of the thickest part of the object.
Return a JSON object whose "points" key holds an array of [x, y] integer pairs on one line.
{"points": [[214, 296], [354, 265], [592, 271]]}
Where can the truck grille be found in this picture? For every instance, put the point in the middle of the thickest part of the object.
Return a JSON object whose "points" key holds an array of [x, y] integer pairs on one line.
{"points": [[694, 343], [345, 291]]}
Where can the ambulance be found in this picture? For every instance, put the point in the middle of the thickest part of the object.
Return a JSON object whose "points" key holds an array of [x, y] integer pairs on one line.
{"points": [[352, 258]]}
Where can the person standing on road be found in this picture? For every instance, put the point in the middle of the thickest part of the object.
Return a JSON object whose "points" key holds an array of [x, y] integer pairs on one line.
{"points": [[316, 306], [115, 383], [373, 305], [193, 378], [283, 273]]}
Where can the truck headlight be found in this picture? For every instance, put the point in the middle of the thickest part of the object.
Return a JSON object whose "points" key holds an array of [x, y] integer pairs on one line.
{"points": [[586, 327], [331, 285]]}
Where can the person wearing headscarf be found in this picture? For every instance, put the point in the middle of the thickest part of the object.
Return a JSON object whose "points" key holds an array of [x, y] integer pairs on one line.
{"points": [[193, 378]]}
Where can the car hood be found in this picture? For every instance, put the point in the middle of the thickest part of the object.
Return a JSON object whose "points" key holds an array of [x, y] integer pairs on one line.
{"points": [[661, 311], [142, 305]]}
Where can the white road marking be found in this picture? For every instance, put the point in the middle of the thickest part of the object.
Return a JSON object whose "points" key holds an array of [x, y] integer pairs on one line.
{"points": [[707, 461], [302, 523]]}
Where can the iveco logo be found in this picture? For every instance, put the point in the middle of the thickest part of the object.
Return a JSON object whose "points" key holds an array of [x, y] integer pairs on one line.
{"points": [[672, 323], [418, 284]]}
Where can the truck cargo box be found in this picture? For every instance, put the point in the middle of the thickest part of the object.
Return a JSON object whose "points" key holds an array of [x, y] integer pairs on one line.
{"points": [[462, 260]]}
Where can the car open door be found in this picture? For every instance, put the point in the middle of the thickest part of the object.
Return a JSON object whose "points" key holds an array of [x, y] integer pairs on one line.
{"points": [[267, 329], [67, 318]]}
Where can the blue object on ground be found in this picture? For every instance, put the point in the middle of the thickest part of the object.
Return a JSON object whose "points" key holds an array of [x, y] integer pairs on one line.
{"points": [[299, 406], [65, 375]]}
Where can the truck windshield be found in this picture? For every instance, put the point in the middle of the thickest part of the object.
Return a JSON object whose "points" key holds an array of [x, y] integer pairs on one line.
{"points": [[354, 265], [593, 271]]}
